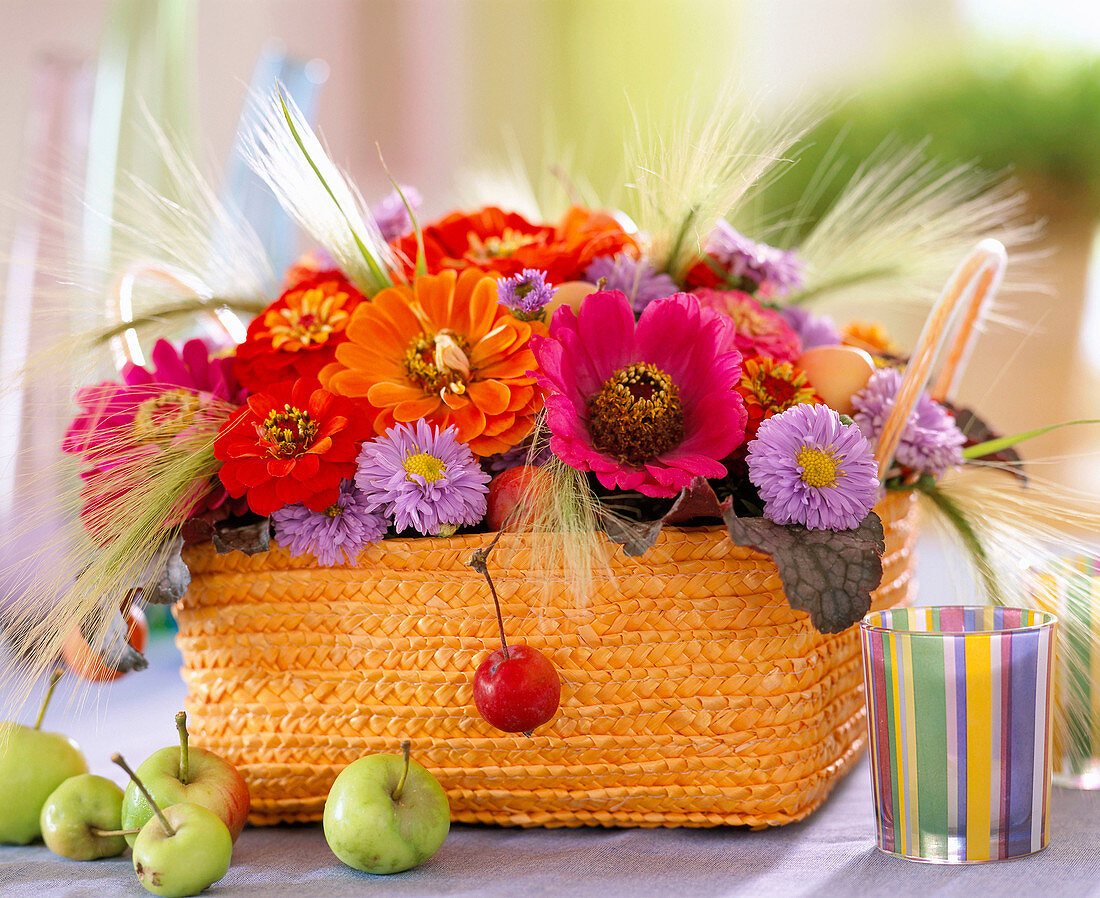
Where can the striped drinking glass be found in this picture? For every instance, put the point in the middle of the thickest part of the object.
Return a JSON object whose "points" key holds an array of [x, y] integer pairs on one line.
{"points": [[959, 717]]}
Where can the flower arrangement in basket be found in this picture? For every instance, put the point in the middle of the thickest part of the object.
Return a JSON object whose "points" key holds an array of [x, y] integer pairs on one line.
{"points": [[632, 455]]}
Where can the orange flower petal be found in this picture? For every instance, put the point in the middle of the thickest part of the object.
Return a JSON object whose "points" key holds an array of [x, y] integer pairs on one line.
{"points": [[390, 393], [416, 408], [491, 396]]}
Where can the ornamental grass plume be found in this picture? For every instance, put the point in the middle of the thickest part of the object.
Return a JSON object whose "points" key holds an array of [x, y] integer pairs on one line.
{"points": [[814, 470], [421, 477], [645, 406]]}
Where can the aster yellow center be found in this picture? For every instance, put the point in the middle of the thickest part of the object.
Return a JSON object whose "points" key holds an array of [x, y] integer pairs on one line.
{"points": [[427, 466], [636, 415], [164, 417], [818, 467], [290, 432]]}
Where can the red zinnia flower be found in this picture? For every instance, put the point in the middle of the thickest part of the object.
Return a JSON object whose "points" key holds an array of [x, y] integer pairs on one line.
{"points": [[292, 443], [760, 331], [297, 335], [506, 242]]}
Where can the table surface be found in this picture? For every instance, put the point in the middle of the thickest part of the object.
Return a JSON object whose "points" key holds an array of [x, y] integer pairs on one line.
{"points": [[830, 853]]}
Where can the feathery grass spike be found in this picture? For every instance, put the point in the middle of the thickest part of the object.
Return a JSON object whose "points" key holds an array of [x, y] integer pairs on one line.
{"points": [[283, 150]]}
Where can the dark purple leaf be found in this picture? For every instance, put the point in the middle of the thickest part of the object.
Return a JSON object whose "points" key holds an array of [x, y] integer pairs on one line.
{"points": [[251, 538], [829, 575], [696, 500]]}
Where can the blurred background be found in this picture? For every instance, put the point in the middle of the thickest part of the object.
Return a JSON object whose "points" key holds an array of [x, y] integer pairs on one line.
{"points": [[441, 86]]}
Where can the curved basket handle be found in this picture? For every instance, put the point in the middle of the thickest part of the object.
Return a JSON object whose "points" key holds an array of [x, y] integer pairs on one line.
{"points": [[120, 305], [964, 302]]}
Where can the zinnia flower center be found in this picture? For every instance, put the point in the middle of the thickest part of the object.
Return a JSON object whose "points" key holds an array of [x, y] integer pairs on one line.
{"points": [[309, 317], [439, 363], [165, 416], [427, 466], [290, 432], [636, 415], [501, 247], [818, 467], [778, 392]]}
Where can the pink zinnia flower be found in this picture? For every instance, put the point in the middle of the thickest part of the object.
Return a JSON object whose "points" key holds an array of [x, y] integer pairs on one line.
{"points": [[647, 406], [760, 331], [121, 423]]}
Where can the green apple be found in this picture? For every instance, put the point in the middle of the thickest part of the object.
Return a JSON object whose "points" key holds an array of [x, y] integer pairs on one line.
{"points": [[192, 853], [385, 814], [32, 764], [82, 817], [181, 849], [175, 775]]}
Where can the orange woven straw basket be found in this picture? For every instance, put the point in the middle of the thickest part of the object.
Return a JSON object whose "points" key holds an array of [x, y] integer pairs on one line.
{"points": [[692, 694]]}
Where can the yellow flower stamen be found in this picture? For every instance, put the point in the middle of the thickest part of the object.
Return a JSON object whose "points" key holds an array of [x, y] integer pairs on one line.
{"points": [[427, 466], [439, 363], [291, 432], [818, 467]]}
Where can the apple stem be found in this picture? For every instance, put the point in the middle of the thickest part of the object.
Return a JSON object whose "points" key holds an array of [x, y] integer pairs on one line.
{"points": [[479, 562], [405, 746], [118, 759], [96, 831], [54, 677], [181, 725]]}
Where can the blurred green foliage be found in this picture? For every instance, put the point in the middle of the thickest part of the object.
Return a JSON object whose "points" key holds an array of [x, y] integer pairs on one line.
{"points": [[1032, 113]]}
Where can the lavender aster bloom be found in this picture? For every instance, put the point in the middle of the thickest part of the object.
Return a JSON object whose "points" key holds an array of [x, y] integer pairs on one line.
{"points": [[333, 536], [758, 262], [812, 329], [424, 478], [930, 442], [812, 469], [639, 280], [390, 213], [525, 293]]}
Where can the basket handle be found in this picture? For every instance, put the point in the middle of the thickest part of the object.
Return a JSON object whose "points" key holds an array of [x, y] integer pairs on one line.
{"points": [[120, 306], [964, 302]]}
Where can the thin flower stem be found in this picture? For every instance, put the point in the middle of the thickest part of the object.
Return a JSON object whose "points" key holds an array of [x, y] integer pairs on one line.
{"points": [[479, 562]]}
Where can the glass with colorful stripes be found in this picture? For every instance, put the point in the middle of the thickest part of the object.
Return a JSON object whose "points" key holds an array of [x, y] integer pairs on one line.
{"points": [[1070, 587], [959, 717]]}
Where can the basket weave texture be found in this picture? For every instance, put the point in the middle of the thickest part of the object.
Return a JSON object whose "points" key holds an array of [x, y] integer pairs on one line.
{"points": [[692, 695]]}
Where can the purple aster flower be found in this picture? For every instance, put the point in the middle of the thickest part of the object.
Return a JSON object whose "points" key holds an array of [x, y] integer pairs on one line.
{"points": [[390, 213], [812, 329], [526, 293], [334, 536], [812, 469], [780, 269], [930, 442], [424, 478], [639, 280]]}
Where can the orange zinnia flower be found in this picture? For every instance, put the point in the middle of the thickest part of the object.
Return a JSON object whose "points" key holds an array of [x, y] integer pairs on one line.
{"points": [[505, 242], [443, 349], [296, 335]]}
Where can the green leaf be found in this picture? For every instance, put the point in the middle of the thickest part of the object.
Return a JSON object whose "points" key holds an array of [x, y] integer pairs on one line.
{"points": [[990, 447], [696, 500], [828, 574], [968, 536]]}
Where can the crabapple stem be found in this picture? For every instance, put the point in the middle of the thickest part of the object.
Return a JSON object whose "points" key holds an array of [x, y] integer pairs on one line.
{"points": [[118, 759], [181, 725], [54, 677], [405, 746], [479, 562]]}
